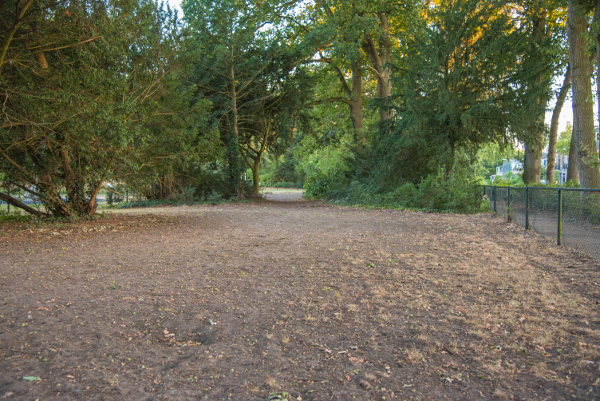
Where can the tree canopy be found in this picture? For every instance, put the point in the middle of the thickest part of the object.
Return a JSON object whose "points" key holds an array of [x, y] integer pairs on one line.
{"points": [[122, 91]]}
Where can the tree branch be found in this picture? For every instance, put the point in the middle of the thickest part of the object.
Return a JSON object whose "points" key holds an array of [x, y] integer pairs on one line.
{"points": [[17, 203], [330, 100]]}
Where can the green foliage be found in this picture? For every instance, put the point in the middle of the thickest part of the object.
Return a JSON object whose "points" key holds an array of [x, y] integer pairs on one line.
{"points": [[243, 69], [457, 191], [101, 99], [563, 144], [493, 155], [15, 216], [325, 170], [509, 180], [457, 94], [320, 184], [213, 180]]}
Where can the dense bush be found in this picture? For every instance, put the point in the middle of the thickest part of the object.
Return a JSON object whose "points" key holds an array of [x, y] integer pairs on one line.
{"points": [[213, 182], [321, 184], [457, 191]]}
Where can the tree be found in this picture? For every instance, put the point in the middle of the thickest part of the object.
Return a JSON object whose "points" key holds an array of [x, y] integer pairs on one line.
{"points": [[552, 145], [243, 68], [539, 84], [584, 140], [366, 25], [95, 98], [460, 90]]}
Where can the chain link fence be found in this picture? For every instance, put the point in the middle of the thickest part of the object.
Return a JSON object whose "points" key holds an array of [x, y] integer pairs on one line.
{"points": [[571, 216]]}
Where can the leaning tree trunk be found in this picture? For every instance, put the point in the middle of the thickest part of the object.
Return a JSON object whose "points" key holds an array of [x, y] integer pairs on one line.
{"points": [[17, 203], [583, 113], [560, 101]]}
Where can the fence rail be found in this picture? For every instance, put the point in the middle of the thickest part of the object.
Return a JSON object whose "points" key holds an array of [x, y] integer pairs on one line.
{"points": [[569, 215]]}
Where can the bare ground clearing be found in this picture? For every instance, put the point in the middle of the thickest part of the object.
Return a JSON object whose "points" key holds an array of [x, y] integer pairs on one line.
{"points": [[238, 301]]}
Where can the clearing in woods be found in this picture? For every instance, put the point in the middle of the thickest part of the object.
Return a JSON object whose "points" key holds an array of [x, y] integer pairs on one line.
{"points": [[322, 302]]}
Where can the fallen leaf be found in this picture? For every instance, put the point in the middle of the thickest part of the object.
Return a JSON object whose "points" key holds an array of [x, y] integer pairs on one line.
{"points": [[365, 384]]}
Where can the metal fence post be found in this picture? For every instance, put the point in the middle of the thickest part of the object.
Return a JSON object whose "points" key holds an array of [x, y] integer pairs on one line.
{"points": [[527, 208], [508, 205], [559, 228], [495, 198]]}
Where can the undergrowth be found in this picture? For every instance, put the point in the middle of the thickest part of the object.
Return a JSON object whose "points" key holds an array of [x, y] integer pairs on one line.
{"points": [[455, 192]]}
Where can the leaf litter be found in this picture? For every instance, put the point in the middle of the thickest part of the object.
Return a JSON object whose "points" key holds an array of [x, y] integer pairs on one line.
{"points": [[384, 304]]}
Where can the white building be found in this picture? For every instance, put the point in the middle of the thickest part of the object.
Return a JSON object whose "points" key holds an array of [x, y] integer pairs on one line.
{"points": [[508, 166], [561, 165]]}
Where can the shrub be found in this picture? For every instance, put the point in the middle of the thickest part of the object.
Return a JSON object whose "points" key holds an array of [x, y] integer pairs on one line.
{"points": [[318, 183], [457, 191]]}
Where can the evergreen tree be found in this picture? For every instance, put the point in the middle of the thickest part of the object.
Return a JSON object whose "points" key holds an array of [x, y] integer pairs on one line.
{"points": [[459, 91], [242, 71], [91, 94]]}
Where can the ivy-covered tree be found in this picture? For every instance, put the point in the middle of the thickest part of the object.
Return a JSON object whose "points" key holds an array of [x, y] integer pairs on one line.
{"points": [[242, 71]]}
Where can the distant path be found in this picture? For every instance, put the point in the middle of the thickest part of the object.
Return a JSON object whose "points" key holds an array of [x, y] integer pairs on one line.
{"points": [[282, 195]]}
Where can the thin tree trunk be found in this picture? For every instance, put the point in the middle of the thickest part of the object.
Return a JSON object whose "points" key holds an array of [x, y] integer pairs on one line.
{"points": [[356, 114], [583, 113], [41, 58], [233, 142], [560, 101], [353, 97]]}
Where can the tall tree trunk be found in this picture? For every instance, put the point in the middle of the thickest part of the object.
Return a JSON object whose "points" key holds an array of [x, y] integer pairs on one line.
{"points": [[381, 58], [597, 27], [560, 101], [356, 114], [534, 142], [583, 113], [532, 168]]}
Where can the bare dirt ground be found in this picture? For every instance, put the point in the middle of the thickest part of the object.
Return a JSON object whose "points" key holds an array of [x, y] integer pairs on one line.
{"points": [[324, 303]]}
